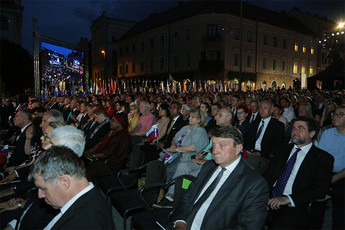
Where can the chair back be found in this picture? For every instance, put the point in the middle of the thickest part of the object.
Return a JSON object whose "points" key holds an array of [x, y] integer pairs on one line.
{"points": [[181, 186], [155, 172]]}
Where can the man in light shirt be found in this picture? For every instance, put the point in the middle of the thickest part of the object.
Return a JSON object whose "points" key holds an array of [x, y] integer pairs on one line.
{"points": [[301, 173], [59, 175], [227, 194]]}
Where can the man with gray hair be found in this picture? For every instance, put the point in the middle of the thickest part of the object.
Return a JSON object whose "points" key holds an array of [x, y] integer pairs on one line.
{"points": [[68, 136], [60, 178]]}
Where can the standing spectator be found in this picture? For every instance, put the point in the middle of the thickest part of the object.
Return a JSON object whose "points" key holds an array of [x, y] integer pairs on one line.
{"points": [[288, 113]]}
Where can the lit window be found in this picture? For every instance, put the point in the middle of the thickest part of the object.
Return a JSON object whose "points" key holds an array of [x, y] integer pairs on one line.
{"points": [[303, 69], [295, 66], [311, 70], [304, 49], [312, 50], [296, 47]]}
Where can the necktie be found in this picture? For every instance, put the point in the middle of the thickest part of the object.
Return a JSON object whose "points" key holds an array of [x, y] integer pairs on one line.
{"points": [[170, 127], [260, 130], [204, 197], [284, 176], [253, 117]]}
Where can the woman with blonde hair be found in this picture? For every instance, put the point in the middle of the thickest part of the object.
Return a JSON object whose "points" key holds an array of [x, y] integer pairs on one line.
{"points": [[133, 117]]}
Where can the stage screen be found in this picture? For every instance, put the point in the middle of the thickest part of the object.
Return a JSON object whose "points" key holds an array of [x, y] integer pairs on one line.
{"points": [[60, 64]]}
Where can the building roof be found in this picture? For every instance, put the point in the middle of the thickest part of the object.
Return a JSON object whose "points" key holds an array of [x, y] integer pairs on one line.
{"points": [[192, 8]]}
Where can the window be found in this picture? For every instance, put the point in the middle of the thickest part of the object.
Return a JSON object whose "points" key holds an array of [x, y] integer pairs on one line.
{"points": [[304, 49], [303, 69], [274, 64], [212, 30], [152, 43], [121, 69], [127, 50], [134, 48], [283, 66], [296, 47], [311, 50], [188, 60], [236, 59], [133, 67], [126, 68], [249, 61], [237, 33], [295, 67], [249, 36], [161, 40], [284, 43], [275, 42], [265, 39], [161, 63], [113, 56], [211, 55], [187, 34], [175, 38], [142, 45], [264, 63], [311, 70]]}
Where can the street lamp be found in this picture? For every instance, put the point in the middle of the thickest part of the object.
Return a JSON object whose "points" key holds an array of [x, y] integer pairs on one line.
{"points": [[341, 25]]}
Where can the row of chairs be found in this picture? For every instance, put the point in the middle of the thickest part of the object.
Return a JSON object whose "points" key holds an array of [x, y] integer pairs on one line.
{"points": [[123, 193]]}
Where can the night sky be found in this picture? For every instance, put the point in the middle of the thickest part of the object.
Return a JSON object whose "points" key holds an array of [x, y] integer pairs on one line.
{"points": [[68, 20]]}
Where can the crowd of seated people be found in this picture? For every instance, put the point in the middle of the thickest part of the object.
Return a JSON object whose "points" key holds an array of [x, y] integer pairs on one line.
{"points": [[114, 128]]}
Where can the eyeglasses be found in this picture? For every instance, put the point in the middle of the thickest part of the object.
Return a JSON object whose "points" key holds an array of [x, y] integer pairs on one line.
{"points": [[240, 112], [299, 128], [340, 115], [46, 137]]}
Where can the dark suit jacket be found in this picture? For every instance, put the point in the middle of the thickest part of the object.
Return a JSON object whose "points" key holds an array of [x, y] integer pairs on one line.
{"points": [[167, 138], [65, 112], [239, 204], [90, 211], [257, 118], [18, 156], [312, 182], [98, 137], [83, 121], [272, 139]]}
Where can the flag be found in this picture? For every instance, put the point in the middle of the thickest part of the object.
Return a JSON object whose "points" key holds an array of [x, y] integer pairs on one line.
{"points": [[3, 154], [56, 90], [45, 92], [152, 133], [63, 88]]}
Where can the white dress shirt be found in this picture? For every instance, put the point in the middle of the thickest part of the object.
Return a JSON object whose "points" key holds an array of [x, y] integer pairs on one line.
{"points": [[258, 141], [68, 205], [199, 216]]}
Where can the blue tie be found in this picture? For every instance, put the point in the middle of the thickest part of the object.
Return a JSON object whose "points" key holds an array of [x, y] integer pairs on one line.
{"points": [[260, 130], [284, 176]]}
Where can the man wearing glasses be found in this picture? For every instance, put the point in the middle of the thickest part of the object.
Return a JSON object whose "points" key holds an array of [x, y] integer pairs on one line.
{"points": [[333, 141]]}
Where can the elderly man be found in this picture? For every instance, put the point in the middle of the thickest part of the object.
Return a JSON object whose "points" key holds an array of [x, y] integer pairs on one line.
{"points": [[60, 178], [333, 141], [227, 193], [299, 174]]}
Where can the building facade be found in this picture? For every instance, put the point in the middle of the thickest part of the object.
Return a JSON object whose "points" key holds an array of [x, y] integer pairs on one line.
{"points": [[105, 32], [11, 19], [201, 41]]}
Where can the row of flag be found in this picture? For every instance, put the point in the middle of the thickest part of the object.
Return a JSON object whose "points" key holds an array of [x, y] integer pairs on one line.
{"points": [[114, 86]]}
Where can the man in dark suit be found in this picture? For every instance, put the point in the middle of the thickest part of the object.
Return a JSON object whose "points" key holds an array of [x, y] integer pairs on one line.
{"points": [[66, 109], [23, 120], [174, 125], [59, 175], [299, 174], [227, 193], [265, 135], [254, 115]]}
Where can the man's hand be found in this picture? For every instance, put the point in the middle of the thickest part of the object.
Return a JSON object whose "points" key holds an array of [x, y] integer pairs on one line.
{"points": [[8, 227], [10, 169], [180, 226], [160, 144], [29, 132], [9, 178], [276, 202]]}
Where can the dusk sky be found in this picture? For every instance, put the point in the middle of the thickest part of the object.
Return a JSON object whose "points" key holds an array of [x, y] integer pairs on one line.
{"points": [[68, 20]]}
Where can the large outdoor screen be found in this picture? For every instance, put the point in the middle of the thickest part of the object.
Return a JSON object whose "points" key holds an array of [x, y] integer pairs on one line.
{"points": [[61, 64]]}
